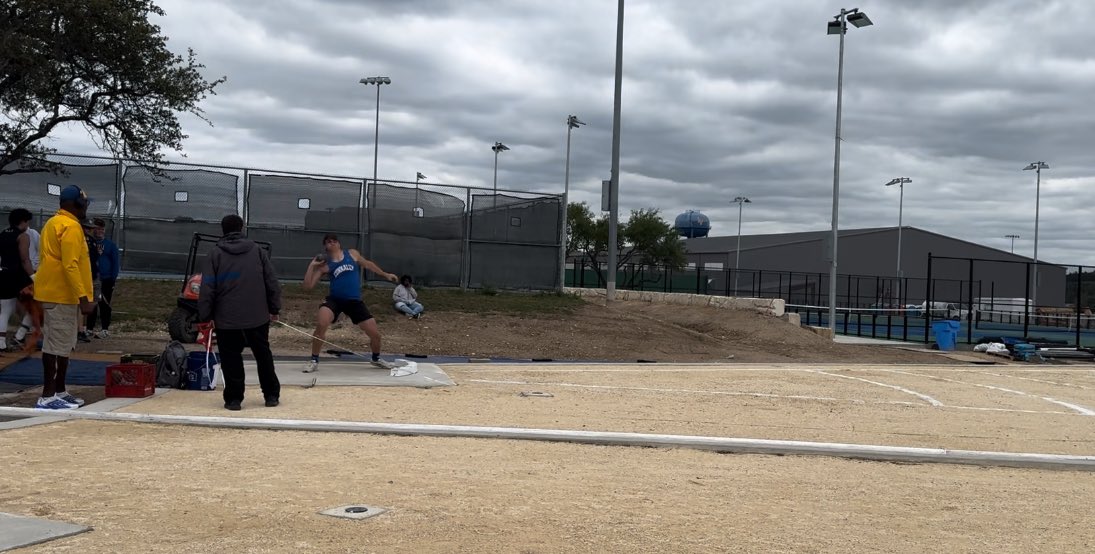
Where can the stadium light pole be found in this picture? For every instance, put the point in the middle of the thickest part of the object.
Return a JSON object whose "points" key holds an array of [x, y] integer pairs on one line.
{"points": [[417, 210], [361, 224], [1037, 167], [376, 136], [572, 123], [900, 182], [1012, 237], [839, 27], [741, 201], [614, 185], [498, 147]]}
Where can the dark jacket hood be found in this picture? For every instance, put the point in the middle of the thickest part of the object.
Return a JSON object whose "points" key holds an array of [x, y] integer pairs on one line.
{"points": [[236, 244]]}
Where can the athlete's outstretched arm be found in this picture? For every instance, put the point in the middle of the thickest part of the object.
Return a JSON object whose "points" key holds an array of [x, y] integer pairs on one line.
{"points": [[369, 265]]}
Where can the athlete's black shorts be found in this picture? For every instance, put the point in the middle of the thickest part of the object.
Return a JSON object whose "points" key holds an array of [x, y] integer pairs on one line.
{"points": [[354, 309]]}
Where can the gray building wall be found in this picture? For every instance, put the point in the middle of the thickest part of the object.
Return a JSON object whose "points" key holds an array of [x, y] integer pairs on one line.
{"points": [[872, 254]]}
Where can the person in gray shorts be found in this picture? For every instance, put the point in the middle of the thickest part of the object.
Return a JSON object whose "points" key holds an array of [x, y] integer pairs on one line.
{"points": [[63, 286]]}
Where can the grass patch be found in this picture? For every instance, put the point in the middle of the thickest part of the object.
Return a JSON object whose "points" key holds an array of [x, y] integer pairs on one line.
{"points": [[144, 300], [142, 304]]}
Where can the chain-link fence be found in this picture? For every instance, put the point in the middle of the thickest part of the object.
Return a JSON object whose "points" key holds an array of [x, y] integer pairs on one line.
{"points": [[514, 239], [442, 235]]}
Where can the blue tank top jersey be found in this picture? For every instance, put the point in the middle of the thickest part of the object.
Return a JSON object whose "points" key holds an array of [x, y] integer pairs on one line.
{"points": [[345, 278]]}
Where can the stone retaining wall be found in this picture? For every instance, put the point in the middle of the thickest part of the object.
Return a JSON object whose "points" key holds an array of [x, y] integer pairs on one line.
{"points": [[769, 306]]}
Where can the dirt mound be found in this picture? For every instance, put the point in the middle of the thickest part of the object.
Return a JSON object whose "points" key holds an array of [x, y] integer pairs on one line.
{"points": [[626, 331]]}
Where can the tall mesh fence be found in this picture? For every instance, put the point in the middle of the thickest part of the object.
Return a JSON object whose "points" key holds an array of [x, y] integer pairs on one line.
{"points": [[293, 213], [514, 241], [442, 235], [419, 232], [162, 213], [39, 191]]}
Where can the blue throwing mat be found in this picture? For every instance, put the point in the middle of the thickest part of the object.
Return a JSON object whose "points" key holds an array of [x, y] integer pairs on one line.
{"points": [[28, 371]]}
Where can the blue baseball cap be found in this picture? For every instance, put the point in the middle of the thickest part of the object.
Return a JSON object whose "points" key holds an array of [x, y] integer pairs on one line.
{"points": [[73, 193]]}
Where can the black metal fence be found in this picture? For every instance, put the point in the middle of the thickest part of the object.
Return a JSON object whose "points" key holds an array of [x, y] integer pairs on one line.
{"points": [[443, 235], [796, 288], [988, 303]]}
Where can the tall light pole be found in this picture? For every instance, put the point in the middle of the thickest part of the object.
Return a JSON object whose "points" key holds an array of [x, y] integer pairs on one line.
{"points": [[900, 182], [740, 201], [1037, 167], [839, 27], [376, 149], [1012, 237], [614, 186], [417, 210], [376, 137], [572, 123], [498, 147]]}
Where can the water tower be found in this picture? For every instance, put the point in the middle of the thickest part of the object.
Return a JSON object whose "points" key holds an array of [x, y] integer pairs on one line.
{"points": [[692, 224]]}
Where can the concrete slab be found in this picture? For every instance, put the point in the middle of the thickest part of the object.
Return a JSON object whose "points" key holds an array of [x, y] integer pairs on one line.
{"points": [[112, 404], [105, 405], [19, 423], [10, 387], [355, 374], [18, 531]]}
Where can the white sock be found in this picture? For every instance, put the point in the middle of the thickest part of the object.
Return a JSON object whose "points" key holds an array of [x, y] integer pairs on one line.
{"points": [[22, 332]]}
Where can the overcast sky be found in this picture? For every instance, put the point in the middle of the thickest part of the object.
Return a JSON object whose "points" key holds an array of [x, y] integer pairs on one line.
{"points": [[719, 99]]}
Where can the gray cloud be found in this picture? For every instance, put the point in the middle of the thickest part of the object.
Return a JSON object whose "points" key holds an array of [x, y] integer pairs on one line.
{"points": [[719, 99]]}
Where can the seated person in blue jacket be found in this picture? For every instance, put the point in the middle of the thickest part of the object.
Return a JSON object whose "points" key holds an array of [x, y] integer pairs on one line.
{"points": [[406, 298]]}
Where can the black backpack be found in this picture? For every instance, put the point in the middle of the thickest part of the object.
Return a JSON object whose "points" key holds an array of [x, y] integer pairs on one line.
{"points": [[171, 367]]}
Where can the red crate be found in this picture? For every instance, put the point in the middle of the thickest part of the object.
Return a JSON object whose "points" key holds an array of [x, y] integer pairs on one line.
{"points": [[130, 380]]}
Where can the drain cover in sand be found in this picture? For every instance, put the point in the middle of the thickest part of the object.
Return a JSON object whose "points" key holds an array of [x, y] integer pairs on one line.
{"points": [[354, 511]]}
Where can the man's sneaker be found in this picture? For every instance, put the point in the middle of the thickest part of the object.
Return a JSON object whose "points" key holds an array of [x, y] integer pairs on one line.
{"points": [[418, 315], [70, 399], [383, 364], [54, 403], [102, 334], [235, 405], [271, 402], [17, 344], [312, 367], [83, 336]]}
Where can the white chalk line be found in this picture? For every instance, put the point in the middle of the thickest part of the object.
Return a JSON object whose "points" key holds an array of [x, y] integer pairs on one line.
{"points": [[1013, 410], [614, 368], [1074, 407], [1057, 383], [693, 391], [764, 395], [919, 395]]}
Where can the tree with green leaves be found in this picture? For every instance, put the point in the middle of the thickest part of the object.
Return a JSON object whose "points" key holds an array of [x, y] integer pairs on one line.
{"points": [[101, 64], [645, 239]]}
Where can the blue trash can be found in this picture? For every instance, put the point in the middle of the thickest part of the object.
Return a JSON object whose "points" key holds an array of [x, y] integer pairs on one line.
{"points": [[946, 334]]}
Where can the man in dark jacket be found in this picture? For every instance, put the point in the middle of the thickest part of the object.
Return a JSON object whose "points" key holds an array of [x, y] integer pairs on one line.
{"points": [[240, 294]]}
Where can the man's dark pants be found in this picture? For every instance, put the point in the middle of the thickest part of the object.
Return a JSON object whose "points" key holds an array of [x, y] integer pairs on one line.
{"points": [[231, 343]]}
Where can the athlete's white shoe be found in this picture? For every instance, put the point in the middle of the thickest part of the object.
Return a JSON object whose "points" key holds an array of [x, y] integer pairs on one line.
{"points": [[312, 367]]}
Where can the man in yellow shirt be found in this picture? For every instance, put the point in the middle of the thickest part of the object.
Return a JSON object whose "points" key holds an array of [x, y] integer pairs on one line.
{"points": [[63, 286]]}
